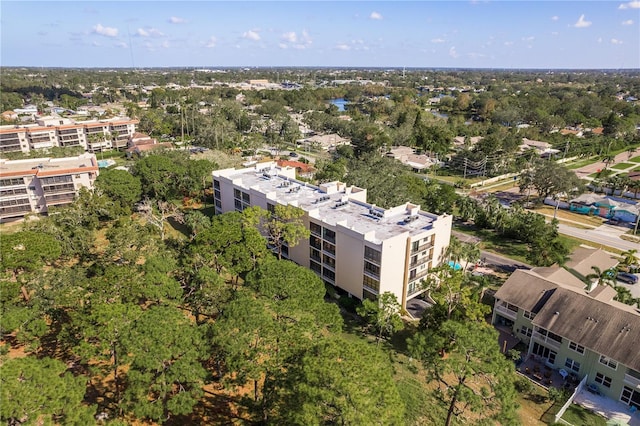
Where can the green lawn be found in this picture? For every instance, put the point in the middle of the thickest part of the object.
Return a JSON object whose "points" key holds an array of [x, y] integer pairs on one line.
{"points": [[602, 173], [622, 166], [582, 163], [635, 159], [576, 415], [636, 169]]}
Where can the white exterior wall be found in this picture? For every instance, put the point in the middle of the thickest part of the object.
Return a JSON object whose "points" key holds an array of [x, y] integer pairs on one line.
{"points": [[389, 234]]}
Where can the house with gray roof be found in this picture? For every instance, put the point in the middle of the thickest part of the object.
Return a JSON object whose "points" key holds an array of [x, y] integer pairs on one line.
{"points": [[584, 333]]}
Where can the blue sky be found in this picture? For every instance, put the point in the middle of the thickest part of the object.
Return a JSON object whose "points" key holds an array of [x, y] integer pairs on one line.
{"points": [[468, 34]]}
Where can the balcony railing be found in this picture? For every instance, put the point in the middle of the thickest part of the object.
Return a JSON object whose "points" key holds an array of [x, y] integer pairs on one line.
{"points": [[506, 312], [419, 262], [419, 276], [630, 380], [423, 247], [546, 339]]}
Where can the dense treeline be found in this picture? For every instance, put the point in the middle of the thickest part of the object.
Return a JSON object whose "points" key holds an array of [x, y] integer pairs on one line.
{"points": [[501, 106], [107, 316]]}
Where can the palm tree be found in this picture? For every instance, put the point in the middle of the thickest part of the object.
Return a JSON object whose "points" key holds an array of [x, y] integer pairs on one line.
{"points": [[606, 277], [470, 254], [629, 258], [453, 253]]}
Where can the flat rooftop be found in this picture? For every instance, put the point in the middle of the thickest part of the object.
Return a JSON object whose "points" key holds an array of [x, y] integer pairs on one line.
{"points": [[46, 165], [336, 207]]}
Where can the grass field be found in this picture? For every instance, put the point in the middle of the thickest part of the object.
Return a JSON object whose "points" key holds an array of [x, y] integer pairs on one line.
{"points": [[635, 159], [601, 174], [622, 166]]}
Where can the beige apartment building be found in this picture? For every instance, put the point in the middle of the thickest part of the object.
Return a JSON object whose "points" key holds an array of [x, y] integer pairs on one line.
{"points": [[35, 185], [357, 247], [49, 132]]}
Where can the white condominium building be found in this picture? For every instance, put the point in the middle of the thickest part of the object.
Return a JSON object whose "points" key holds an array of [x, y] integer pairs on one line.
{"points": [[49, 132], [35, 185], [357, 247]]}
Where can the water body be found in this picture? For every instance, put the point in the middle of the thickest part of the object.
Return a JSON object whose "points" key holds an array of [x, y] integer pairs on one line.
{"points": [[339, 102], [439, 114]]}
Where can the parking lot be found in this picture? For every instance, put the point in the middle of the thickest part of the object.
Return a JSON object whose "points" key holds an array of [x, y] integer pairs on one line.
{"points": [[633, 288]]}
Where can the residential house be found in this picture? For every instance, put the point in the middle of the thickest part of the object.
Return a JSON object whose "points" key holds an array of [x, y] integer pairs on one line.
{"points": [[360, 249], [584, 333]]}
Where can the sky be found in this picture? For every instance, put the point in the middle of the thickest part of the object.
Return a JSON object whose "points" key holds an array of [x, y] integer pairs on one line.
{"points": [[543, 34]]}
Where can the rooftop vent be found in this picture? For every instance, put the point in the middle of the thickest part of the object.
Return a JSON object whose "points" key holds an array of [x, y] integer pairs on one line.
{"points": [[376, 213], [321, 199], [341, 203], [410, 219]]}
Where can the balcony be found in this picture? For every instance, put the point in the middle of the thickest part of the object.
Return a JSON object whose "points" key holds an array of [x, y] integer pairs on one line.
{"points": [[551, 343], [631, 380], [419, 262], [423, 247], [419, 276], [58, 189], [506, 312]]}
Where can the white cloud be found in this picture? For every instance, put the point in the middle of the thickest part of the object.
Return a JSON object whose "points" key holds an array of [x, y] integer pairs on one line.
{"points": [[122, 44], [291, 37], [582, 23], [635, 4], [628, 22], [105, 31], [437, 40], [251, 35], [96, 44], [165, 44], [599, 39], [530, 38], [554, 33], [211, 42], [375, 16], [283, 45], [508, 43], [555, 18], [343, 46], [453, 53], [616, 41], [177, 20], [149, 32]]}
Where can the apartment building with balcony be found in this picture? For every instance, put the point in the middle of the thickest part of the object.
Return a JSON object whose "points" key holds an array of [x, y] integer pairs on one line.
{"points": [[49, 132], [35, 185], [585, 333], [357, 247]]}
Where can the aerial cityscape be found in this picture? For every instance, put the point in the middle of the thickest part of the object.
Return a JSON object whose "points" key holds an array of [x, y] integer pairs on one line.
{"points": [[318, 213]]}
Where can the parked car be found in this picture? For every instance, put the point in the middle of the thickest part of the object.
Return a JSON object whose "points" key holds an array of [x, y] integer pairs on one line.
{"points": [[293, 154], [627, 278]]}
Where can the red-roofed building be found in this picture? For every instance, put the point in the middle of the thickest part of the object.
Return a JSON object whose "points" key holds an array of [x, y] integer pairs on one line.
{"points": [[36, 184], [302, 169]]}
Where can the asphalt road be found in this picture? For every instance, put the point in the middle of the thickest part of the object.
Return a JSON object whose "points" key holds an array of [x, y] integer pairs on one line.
{"points": [[599, 237], [490, 258]]}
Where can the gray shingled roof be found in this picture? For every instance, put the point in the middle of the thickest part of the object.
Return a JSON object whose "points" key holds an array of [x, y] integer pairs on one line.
{"points": [[595, 324]]}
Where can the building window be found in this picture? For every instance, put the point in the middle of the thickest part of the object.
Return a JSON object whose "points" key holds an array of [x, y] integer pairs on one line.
{"points": [[329, 235], [315, 242], [238, 205], [271, 208], [315, 267], [372, 283], [603, 380], [526, 331], [216, 184], [329, 261], [627, 396], [237, 194], [576, 347], [372, 269], [528, 315], [328, 273], [366, 294], [608, 362], [328, 247], [372, 254], [314, 254], [572, 365], [315, 228]]}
